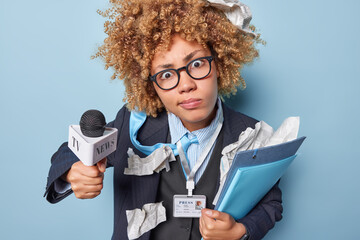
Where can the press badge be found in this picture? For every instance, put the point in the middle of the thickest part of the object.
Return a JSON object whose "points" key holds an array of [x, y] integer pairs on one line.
{"points": [[188, 206]]}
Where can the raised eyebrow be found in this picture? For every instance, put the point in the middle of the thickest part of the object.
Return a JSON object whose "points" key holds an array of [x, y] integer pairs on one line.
{"points": [[191, 55], [185, 60]]}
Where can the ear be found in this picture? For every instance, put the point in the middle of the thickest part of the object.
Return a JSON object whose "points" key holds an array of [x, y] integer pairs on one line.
{"points": [[154, 88], [214, 54], [217, 71]]}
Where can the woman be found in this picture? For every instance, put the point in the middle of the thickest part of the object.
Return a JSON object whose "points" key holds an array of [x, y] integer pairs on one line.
{"points": [[177, 59]]}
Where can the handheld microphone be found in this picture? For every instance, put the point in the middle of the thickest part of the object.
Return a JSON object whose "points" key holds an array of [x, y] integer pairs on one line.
{"points": [[91, 141]]}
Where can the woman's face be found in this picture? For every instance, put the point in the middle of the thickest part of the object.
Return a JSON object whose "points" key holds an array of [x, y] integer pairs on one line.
{"points": [[193, 101]]}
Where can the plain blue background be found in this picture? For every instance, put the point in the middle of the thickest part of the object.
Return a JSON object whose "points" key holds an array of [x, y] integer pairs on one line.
{"points": [[309, 67]]}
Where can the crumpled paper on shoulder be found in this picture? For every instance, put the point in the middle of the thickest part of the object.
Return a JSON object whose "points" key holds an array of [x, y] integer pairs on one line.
{"points": [[143, 220], [155, 162], [262, 135]]}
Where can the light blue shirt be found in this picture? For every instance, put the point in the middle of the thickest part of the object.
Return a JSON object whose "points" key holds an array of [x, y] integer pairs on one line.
{"points": [[177, 130]]}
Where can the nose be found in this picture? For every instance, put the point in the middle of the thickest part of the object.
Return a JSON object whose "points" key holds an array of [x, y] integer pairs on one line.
{"points": [[186, 83]]}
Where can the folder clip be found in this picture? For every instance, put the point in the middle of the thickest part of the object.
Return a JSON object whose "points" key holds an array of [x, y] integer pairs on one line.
{"points": [[255, 152]]}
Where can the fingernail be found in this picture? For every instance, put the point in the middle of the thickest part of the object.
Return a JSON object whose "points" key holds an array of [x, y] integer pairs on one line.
{"points": [[208, 212]]}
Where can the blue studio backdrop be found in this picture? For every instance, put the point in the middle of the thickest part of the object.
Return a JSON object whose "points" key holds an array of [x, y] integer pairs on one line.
{"points": [[309, 68]]}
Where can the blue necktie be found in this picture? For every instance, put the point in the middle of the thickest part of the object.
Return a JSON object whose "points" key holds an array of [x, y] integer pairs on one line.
{"points": [[137, 119], [185, 143]]}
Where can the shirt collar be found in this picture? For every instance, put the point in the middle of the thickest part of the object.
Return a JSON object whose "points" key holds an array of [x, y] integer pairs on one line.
{"points": [[177, 129]]}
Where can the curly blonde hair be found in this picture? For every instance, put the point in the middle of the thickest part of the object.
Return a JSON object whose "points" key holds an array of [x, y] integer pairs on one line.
{"points": [[137, 29]]}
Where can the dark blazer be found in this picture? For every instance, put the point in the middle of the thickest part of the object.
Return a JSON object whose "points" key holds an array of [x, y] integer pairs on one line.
{"points": [[132, 192]]}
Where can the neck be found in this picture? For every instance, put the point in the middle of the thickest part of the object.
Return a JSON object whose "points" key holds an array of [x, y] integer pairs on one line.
{"points": [[193, 126]]}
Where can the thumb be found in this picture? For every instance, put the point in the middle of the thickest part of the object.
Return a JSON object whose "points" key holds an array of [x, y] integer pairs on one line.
{"points": [[102, 165], [213, 214]]}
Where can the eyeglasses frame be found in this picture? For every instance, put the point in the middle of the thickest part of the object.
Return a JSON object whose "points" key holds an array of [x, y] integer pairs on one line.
{"points": [[153, 77]]}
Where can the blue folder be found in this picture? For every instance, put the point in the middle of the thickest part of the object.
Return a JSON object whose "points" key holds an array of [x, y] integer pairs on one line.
{"points": [[252, 174]]}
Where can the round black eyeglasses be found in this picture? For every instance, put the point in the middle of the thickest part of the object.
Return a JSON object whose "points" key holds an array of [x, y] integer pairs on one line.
{"points": [[169, 78]]}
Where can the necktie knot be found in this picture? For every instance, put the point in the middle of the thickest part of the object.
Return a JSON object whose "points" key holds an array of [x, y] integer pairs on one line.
{"points": [[186, 142]]}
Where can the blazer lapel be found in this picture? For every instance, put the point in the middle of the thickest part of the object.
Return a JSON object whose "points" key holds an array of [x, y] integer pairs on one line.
{"points": [[234, 124], [154, 130]]}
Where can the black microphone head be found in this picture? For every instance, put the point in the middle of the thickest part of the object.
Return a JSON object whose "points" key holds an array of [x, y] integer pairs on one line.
{"points": [[92, 123]]}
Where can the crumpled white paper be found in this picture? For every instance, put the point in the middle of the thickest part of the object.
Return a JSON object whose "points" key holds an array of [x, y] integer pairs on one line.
{"points": [[238, 13], [155, 162], [142, 220], [262, 135]]}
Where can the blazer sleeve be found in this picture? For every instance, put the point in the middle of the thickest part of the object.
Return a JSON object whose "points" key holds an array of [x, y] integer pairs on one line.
{"points": [[61, 161], [64, 158]]}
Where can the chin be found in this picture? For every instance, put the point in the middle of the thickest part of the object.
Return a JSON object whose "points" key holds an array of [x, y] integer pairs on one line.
{"points": [[197, 120]]}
